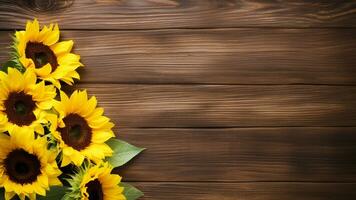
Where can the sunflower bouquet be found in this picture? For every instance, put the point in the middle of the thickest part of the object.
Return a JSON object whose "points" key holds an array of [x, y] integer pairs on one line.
{"points": [[54, 145]]}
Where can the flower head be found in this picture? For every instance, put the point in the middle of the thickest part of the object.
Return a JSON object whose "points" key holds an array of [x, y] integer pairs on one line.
{"points": [[95, 183], [23, 102], [27, 167], [82, 130], [40, 50]]}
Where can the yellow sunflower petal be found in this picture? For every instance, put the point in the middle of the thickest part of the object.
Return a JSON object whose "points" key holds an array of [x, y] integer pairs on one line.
{"points": [[102, 136], [44, 71], [30, 77], [62, 47], [53, 36], [32, 29], [9, 195], [26, 62], [70, 60]]}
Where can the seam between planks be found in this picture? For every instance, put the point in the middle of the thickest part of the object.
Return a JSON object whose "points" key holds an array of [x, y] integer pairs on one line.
{"points": [[190, 28], [242, 182]]}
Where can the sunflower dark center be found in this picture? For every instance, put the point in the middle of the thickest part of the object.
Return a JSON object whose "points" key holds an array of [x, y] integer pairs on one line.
{"points": [[41, 55], [76, 132], [19, 108], [22, 167], [95, 190]]}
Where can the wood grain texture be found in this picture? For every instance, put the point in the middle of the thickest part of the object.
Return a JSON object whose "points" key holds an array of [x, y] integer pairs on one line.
{"points": [[248, 191], [154, 14], [233, 99], [242, 154], [226, 106], [224, 56]]}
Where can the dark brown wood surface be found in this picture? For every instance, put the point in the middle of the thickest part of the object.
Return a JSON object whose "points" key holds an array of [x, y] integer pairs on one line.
{"points": [[137, 105], [248, 191], [233, 99], [219, 56], [242, 154], [155, 14]]}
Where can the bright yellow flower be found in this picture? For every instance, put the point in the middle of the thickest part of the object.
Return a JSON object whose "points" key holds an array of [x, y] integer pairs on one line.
{"points": [[82, 130], [40, 50], [23, 101], [98, 183], [27, 167]]}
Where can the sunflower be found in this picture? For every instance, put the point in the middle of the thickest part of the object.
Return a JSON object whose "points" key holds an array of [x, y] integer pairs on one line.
{"points": [[27, 167], [23, 101], [95, 183], [82, 130], [41, 51]]}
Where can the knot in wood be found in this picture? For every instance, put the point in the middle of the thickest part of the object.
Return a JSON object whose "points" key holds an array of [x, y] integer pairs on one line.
{"points": [[48, 5]]}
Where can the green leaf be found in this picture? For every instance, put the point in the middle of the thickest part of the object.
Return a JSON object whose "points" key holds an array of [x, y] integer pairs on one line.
{"points": [[130, 192], [12, 64], [2, 194], [8, 64], [123, 152], [55, 193]]}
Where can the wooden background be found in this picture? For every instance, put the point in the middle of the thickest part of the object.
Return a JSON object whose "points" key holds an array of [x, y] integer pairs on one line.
{"points": [[233, 99]]}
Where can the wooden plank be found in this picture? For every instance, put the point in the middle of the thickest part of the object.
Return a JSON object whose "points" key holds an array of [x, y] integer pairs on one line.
{"points": [[226, 105], [223, 56], [154, 14], [242, 154], [248, 191]]}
